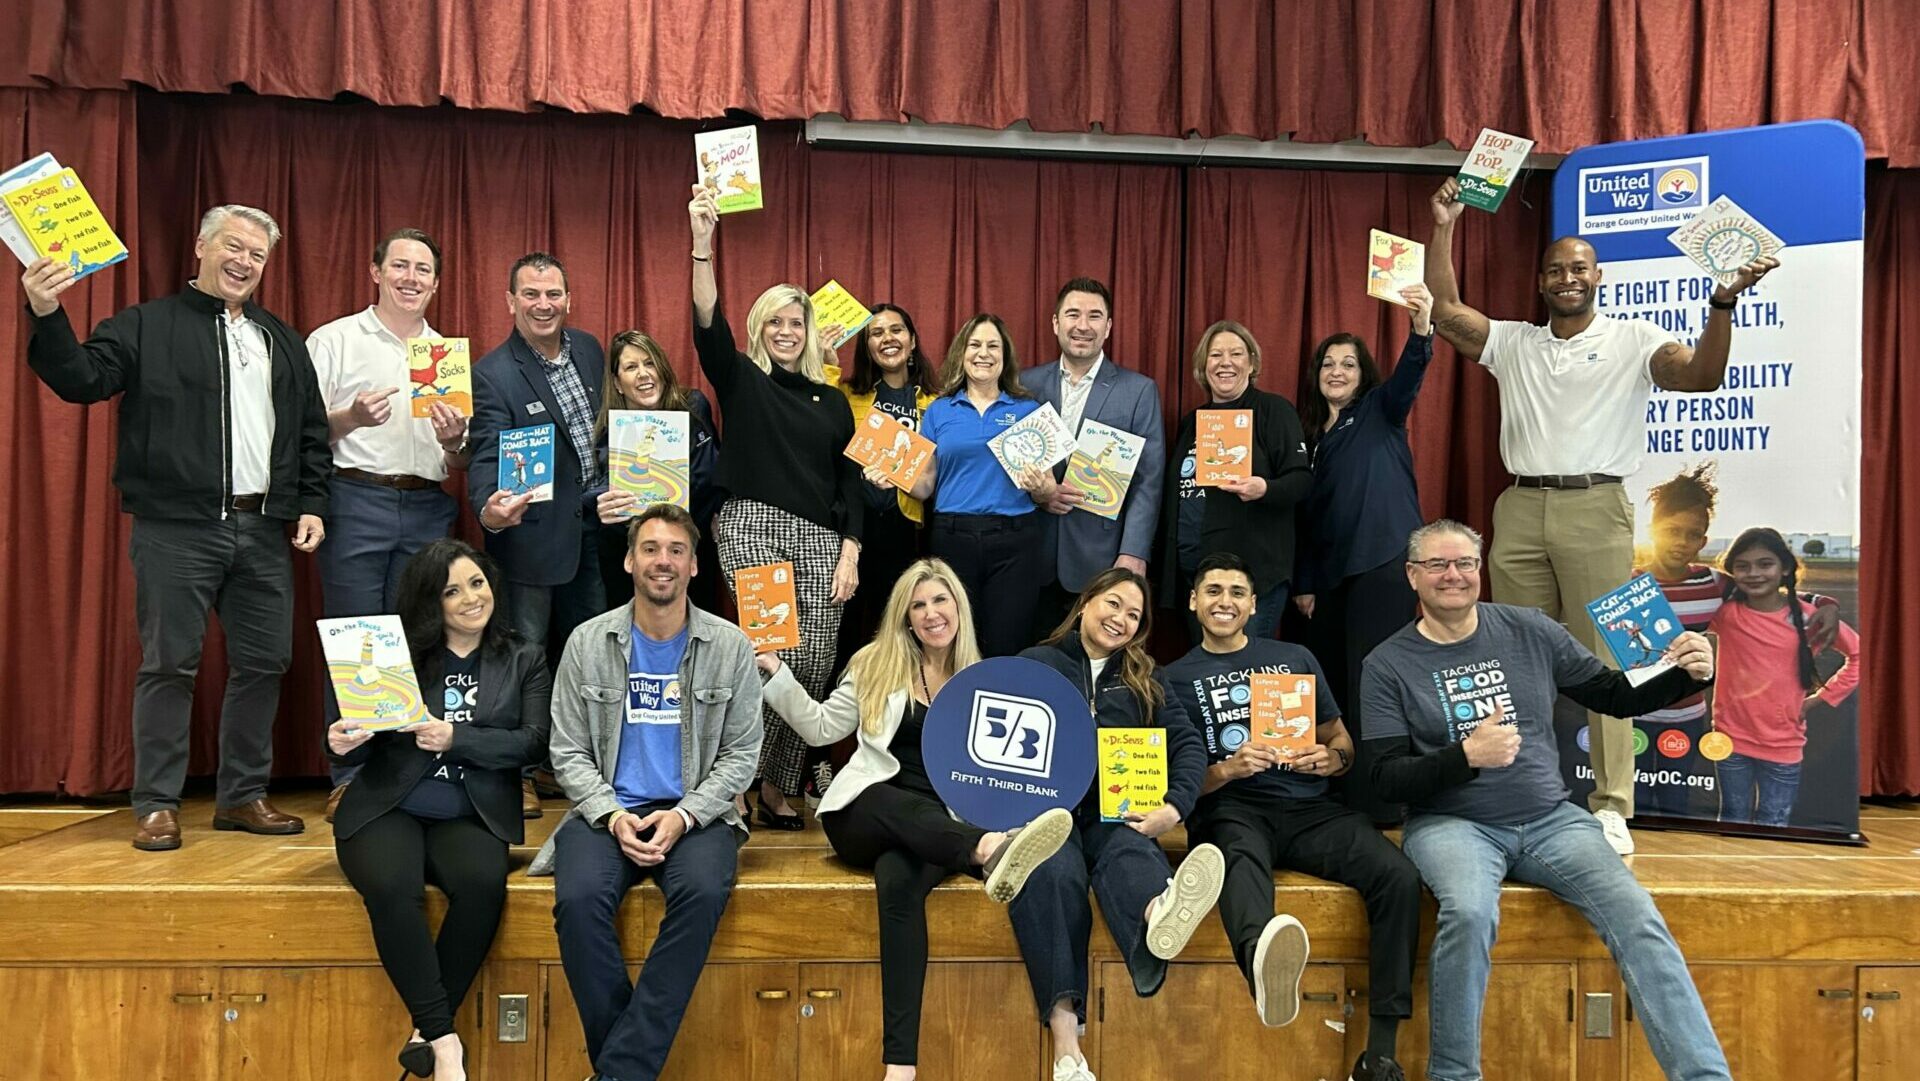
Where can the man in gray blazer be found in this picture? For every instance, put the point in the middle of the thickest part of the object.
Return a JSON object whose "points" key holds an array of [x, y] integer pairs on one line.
{"points": [[656, 724], [1085, 384]]}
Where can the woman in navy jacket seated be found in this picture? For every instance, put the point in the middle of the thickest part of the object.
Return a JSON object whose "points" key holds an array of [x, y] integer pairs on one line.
{"points": [[439, 800]]}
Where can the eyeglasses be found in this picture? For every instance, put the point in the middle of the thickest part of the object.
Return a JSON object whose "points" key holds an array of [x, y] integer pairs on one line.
{"points": [[1464, 564]]}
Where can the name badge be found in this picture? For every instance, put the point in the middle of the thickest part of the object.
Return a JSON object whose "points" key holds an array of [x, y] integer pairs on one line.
{"points": [[536, 407]]}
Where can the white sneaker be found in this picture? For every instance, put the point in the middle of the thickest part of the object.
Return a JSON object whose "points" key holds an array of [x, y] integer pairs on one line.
{"points": [[1189, 896], [1615, 827], [1278, 963], [1024, 849], [1072, 1068]]}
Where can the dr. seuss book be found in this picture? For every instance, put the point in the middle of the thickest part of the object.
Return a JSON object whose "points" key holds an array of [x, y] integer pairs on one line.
{"points": [[439, 370], [372, 671], [1039, 440], [1393, 263], [1222, 446], [768, 611], [882, 442], [649, 455], [1283, 712], [526, 462], [1637, 622], [1723, 238], [39, 167], [1133, 771], [833, 306], [729, 163], [1102, 466], [1491, 165], [62, 223]]}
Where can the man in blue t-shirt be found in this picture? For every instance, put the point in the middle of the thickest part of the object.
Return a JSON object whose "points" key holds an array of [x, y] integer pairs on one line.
{"points": [[1459, 709], [1268, 812]]}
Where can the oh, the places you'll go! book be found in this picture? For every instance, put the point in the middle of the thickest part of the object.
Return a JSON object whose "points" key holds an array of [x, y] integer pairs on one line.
{"points": [[1038, 440], [1133, 771], [883, 443], [60, 221], [1102, 466], [648, 457], [1393, 264], [438, 370], [768, 610], [1222, 446], [371, 671], [729, 162], [526, 462], [837, 315], [1637, 622], [1283, 711], [1487, 174]]}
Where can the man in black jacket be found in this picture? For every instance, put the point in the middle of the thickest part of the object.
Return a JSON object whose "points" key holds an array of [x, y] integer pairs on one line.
{"points": [[222, 442]]}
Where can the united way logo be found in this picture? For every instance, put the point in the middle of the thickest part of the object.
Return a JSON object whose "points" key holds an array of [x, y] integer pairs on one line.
{"points": [[1679, 187], [1644, 195], [1007, 732]]}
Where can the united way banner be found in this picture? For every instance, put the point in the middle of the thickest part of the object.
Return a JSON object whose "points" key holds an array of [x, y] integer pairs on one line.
{"points": [[1006, 739], [1771, 461]]}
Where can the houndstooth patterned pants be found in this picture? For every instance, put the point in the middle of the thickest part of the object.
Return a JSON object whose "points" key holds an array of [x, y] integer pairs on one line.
{"points": [[753, 535]]}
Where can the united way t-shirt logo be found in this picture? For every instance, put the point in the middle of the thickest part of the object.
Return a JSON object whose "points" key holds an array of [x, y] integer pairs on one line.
{"points": [[653, 698], [1011, 733]]}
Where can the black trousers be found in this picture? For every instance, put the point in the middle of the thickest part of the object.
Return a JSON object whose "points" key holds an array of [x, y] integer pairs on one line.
{"points": [[994, 556], [1319, 837], [1349, 620], [890, 542], [390, 860], [912, 844]]}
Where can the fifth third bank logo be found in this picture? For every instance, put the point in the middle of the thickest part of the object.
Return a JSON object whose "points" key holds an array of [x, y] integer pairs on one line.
{"points": [[1010, 733]]}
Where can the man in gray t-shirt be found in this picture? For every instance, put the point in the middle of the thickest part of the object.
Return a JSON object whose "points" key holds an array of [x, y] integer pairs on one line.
{"points": [[1459, 711]]}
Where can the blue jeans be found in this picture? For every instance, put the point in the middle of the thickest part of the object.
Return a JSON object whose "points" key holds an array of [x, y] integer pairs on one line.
{"points": [[630, 1027], [1463, 863], [1053, 921], [1778, 783]]}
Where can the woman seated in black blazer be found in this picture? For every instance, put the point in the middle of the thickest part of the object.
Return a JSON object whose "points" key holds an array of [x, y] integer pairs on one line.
{"points": [[439, 800]]}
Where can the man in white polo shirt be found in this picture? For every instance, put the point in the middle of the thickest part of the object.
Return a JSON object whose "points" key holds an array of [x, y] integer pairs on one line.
{"points": [[1573, 403]]}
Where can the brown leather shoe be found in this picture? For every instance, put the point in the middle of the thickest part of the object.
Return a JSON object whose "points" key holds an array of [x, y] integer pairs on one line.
{"points": [[529, 800], [159, 832], [333, 800], [257, 817]]}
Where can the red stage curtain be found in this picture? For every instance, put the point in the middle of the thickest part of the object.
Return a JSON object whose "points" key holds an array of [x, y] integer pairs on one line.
{"points": [[1396, 72]]}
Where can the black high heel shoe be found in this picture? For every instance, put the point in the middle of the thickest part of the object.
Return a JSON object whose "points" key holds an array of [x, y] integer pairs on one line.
{"points": [[774, 820], [417, 1057]]}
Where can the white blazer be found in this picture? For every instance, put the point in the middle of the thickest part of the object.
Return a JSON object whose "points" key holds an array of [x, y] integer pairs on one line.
{"points": [[822, 723]]}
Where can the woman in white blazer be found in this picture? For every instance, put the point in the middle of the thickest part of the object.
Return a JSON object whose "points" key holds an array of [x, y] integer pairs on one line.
{"points": [[881, 810]]}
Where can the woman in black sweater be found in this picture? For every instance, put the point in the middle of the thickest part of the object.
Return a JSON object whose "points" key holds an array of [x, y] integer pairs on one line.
{"points": [[439, 800], [793, 496]]}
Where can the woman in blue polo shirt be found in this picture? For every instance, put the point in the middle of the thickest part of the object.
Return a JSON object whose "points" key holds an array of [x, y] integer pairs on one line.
{"points": [[984, 525]]}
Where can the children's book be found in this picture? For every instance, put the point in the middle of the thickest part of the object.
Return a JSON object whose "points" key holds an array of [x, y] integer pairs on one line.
{"points": [[1283, 714], [1133, 771], [62, 223], [526, 462], [439, 370], [1039, 440], [729, 163], [1393, 264], [768, 610], [1637, 622], [1487, 174], [372, 671], [1102, 466], [1723, 238], [649, 455], [1222, 446], [38, 167], [882, 442], [833, 306]]}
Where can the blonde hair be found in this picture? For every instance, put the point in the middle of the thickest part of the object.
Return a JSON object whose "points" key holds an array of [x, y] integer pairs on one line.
{"points": [[1225, 326], [813, 362], [892, 660]]}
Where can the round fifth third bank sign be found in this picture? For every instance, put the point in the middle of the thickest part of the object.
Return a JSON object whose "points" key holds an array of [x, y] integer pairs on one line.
{"points": [[1006, 739]]}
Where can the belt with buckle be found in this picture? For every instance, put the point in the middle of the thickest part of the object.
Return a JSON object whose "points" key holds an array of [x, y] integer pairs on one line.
{"points": [[402, 482], [250, 502], [1566, 480]]}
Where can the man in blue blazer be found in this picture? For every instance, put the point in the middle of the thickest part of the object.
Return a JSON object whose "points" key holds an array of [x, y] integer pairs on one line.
{"points": [[544, 373], [1084, 384]]}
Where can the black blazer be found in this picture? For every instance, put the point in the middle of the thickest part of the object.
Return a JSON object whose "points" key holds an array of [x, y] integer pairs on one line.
{"points": [[508, 731]]}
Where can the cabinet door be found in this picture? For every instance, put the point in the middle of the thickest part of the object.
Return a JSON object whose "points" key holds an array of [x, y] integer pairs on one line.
{"points": [[157, 1023], [1203, 1023], [1888, 1029], [740, 1023], [309, 1024], [976, 1020], [1525, 1031], [1775, 1022]]}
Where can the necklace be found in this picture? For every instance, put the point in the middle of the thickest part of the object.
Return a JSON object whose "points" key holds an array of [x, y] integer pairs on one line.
{"points": [[923, 683]]}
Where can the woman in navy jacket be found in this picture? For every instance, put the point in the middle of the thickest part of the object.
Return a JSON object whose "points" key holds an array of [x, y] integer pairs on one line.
{"points": [[1350, 576], [439, 800], [1102, 649]]}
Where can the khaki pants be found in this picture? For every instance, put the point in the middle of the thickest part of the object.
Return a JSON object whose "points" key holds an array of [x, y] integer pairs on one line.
{"points": [[1556, 549]]}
